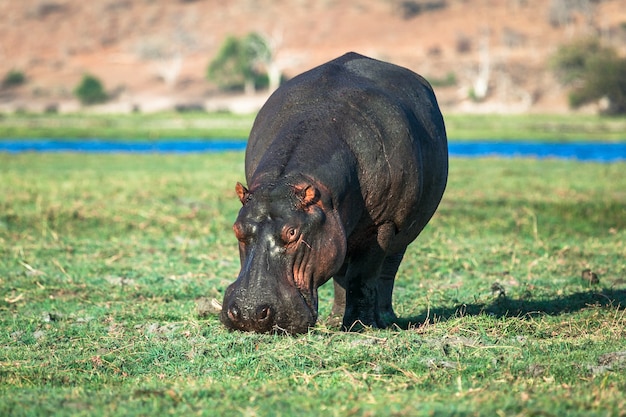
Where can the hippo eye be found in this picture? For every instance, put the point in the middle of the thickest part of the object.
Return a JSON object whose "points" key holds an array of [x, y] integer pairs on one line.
{"points": [[290, 234]]}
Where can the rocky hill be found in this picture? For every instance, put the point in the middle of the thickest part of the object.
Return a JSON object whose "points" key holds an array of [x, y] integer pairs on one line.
{"points": [[481, 55]]}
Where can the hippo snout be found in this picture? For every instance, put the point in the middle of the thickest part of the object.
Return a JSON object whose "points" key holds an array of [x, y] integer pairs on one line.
{"points": [[259, 319], [282, 310]]}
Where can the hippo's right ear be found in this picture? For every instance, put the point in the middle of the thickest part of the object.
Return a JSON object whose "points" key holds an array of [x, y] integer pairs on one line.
{"points": [[242, 192]]}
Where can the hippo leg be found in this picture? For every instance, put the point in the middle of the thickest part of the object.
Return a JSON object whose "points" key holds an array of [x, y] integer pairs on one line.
{"points": [[362, 283], [386, 315], [339, 303]]}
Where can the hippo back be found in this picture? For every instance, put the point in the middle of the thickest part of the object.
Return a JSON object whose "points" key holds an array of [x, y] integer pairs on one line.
{"points": [[370, 130]]}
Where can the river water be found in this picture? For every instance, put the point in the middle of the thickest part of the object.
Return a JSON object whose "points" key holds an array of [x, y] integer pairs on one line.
{"points": [[582, 151]]}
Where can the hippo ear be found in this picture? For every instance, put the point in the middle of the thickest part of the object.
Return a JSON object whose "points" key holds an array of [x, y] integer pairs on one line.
{"points": [[242, 192], [307, 195]]}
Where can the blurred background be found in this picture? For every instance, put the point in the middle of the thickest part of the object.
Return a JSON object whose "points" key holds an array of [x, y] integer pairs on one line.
{"points": [[482, 56]]}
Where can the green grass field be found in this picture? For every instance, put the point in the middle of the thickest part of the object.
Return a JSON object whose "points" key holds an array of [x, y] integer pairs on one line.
{"points": [[105, 260], [536, 127]]}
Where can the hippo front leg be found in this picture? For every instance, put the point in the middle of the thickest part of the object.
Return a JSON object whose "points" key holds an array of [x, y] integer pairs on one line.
{"points": [[386, 315], [361, 292], [368, 284], [339, 303]]}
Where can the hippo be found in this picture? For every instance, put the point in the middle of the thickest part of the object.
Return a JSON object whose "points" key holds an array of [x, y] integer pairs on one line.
{"points": [[345, 165]]}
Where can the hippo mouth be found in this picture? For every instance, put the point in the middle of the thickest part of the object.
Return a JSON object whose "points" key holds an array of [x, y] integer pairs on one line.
{"points": [[298, 312], [310, 303]]}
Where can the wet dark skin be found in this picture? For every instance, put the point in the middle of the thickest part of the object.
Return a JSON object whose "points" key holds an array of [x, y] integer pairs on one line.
{"points": [[345, 165]]}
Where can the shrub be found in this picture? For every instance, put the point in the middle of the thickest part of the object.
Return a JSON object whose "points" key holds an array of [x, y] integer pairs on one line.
{"points": [[90, 90], [47, 8], [463, 44], [571, 61], [605, 78], [561, 12], [410, 9], [237, 64], [13, 79], [447, 81], [594, 72], [225, 69]]}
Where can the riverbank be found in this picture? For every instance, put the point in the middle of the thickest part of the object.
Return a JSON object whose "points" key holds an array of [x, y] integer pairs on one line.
{"points": [[198, 125]]}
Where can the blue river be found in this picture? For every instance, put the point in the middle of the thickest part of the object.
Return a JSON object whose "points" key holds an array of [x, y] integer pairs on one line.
{"points": [[582, 151]]}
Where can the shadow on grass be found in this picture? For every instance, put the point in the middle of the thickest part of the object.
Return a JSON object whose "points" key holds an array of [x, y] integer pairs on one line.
{"points": [[506, 307]]}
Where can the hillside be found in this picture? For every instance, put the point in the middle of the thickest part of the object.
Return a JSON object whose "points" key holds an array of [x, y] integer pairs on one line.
{"points": [[152, 55]]}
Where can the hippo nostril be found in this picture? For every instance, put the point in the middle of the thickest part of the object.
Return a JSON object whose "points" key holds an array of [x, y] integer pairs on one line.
{"points": [[234, 314], [263, 313]]}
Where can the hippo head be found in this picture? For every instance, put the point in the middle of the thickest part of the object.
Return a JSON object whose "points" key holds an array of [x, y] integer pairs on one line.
{"points": [[290, 243]]}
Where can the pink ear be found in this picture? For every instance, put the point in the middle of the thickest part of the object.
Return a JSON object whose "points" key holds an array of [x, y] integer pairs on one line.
{"points": [[242, 192], [307, 194]]}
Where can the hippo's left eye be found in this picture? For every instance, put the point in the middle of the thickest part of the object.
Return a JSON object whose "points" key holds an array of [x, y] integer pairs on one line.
{"points": [[289, 234]]}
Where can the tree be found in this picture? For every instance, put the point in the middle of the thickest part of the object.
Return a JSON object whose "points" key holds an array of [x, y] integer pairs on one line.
{"points": [[13, 78], [259, 57], [593, 72], [227, 67], [90, 90], [561, 12], [240, 63]]}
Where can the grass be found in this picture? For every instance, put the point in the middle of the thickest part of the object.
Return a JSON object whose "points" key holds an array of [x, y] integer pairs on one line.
{"points": [[536, 127], [126, 127], [103, 259], [561, 128]]}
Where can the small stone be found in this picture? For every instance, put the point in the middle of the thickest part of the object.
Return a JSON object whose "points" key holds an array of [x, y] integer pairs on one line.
{"points": [[208, 306], [497, 288], [590, 276]]}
